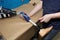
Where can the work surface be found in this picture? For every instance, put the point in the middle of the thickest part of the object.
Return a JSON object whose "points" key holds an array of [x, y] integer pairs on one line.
{"points": [[11, 28]]}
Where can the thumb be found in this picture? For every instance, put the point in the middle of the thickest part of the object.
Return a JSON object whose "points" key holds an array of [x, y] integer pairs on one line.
{"points": [[41, 18]]}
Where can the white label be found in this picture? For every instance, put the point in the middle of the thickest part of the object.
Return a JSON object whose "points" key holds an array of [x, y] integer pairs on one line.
{"points": [[8, 15], [0, 16], [0, 7], [4, 15]]}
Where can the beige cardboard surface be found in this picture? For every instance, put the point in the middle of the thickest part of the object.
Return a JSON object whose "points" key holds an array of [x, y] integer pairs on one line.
{"points": [[13, 27], [34, 1]]}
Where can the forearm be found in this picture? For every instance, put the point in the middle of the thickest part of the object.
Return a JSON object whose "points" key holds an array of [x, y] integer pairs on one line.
{"points": [[55, 15], [37, 8]]}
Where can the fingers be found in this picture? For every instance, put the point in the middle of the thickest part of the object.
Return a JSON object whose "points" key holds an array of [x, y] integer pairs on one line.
{"points": [[41, 19], [29, 15]]}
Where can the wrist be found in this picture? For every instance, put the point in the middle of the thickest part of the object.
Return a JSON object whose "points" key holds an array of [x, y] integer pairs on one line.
{"points": [[52, 16]]}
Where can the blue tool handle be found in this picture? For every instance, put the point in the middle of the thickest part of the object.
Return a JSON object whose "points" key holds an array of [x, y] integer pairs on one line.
{"points": [[25, 16]]}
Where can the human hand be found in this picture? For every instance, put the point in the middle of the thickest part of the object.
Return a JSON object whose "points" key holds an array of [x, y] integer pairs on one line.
{"points": [[30, 14], [46, 18]]}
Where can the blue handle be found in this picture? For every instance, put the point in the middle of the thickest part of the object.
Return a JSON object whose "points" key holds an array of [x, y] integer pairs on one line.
{"points": [[26, 17]]}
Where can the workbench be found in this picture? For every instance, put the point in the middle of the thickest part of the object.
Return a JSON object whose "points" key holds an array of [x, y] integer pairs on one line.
{"points": [[15, 28]]}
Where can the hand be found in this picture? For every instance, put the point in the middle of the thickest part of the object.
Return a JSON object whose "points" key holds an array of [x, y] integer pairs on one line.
{"points": [[30, 15], [46, 18]]}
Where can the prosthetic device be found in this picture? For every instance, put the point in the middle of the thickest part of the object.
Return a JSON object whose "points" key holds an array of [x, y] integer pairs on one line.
{"points": [[27, 18]]}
